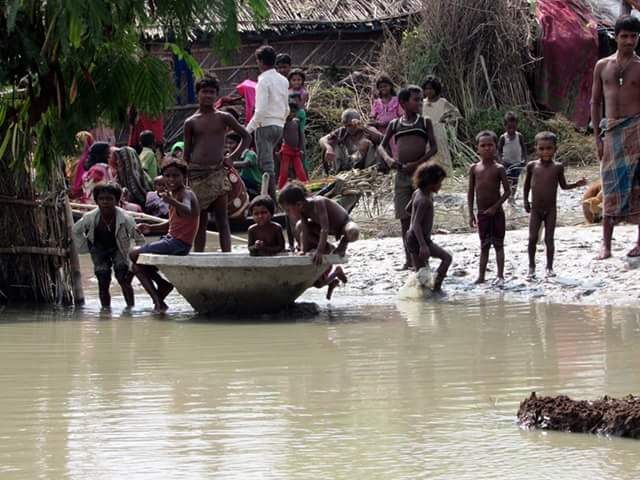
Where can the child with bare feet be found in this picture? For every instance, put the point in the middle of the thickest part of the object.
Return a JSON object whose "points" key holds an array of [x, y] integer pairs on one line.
{"points": [[315, 218], [485, 178], [107, 234], [542, 179], [204, 142], [512, 151], [184, 214], [416, 144], [427, 180], [265, 236]]}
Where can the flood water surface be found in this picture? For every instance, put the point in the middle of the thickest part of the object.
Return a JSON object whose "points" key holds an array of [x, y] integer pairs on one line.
{"points": [[386, 391]]}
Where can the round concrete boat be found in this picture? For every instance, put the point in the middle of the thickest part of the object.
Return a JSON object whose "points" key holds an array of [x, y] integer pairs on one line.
{"points": [[239, 283]]}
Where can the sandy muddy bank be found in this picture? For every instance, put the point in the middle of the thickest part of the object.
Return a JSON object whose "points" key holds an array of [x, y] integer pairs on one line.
{"points": [[373, 265]]}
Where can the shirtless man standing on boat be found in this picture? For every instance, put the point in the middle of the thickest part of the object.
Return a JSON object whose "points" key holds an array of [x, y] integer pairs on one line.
{"points": [[616, 80]]}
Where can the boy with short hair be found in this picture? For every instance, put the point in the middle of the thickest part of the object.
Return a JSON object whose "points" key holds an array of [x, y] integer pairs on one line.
{"points": [[317, 217], [181, 229], [292, 147], [265, 236], [107, 233], [416, 144], [148, 155], [427, 181], [542, 179], [485, 178], [204, 141], [283, 64], [512, 151]]}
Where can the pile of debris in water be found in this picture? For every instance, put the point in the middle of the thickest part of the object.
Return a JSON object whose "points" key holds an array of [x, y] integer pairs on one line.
{"points": [[608, 416]]}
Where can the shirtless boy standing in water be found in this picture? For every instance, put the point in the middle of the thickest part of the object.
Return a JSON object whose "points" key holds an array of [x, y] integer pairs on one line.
{"points": [[204, 135], [485, 178], [416, 144], [543, 177]]}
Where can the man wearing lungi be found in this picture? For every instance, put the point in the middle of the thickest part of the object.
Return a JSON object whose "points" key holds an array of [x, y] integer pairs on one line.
{"points": [[616, 79]]}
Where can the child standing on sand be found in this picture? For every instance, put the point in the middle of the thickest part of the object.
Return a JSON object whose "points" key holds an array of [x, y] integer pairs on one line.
{"points": [[416, 144], [292, 147], [427, 180], [542, 179], [204, 141], [485, 178], [107, 234], [512, 151], [181, 229], [265, 236]]}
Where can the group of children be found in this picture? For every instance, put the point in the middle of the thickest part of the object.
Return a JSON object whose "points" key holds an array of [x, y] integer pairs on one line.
{"points": [[214, 139], [492, 181]]}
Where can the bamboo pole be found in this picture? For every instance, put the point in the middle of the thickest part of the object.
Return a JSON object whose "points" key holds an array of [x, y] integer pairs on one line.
{"points": [[74, 258], [144, 216], [46, 251]]}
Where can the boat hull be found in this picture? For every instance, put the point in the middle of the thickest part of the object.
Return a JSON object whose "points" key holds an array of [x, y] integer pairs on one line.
{"points": [[237, 283]]}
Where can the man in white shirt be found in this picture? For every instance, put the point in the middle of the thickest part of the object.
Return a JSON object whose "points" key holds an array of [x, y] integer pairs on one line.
{"points": [[272, 108]]}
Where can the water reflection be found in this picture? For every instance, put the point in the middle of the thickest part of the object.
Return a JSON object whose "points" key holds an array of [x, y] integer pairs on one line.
{"points": [[386, 391]]}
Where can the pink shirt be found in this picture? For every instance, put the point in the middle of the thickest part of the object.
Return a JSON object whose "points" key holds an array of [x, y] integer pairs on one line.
{"points": [[382, 112], [247, 90]]}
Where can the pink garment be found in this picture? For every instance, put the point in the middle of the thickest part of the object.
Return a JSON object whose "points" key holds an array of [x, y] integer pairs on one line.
{"points": [[383, 113], [304, 95], [76, 188], [247, 90], [99, 173]]}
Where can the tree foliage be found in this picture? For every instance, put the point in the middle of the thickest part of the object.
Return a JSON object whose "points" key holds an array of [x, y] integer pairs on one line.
{"points": [[67, 63]]}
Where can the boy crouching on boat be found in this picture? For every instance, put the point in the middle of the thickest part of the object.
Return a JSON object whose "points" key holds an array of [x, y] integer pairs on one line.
{"points": [[315, 218], [182, 226], [265, 236], [107, 234]]}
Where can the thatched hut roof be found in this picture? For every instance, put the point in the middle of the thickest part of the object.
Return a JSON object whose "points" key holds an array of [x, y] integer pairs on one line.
{"points": [[330, 14]]}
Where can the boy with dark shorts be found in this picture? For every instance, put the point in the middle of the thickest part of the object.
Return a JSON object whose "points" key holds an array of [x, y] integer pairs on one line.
{"points": [[427, 181], [485, 178], [416, 143], [181, 228], [265, 236], [204, 142], [314, 219], [107, 233], [512, 151], [543, 177]]}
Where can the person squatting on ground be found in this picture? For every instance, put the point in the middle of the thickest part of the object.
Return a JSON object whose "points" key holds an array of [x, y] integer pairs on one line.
{"points": [[512, 151], [416, 144], [180, 229], [485, 178], [542, 179], [204, 143], [107, 233], [427, 181], [616, 80], [272, 109], [315, 218], [265, 236], [292, 147], [353, 145]]}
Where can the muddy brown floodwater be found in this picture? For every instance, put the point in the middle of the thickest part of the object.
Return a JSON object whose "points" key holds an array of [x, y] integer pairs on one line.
{"points": [[370, 388]]}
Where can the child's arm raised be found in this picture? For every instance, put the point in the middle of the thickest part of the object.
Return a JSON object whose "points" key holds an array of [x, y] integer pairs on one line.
{"points": [[527, 187], [233, 124], [563, 181], [471, 193], [184, 206]]}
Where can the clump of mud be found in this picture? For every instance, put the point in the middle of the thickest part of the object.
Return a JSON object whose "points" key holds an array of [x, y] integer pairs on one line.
{"points": [[608, 416]]}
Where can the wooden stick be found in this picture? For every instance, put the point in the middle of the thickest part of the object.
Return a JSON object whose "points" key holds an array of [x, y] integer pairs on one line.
{"points": [[149, 218], [74, 258]]}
